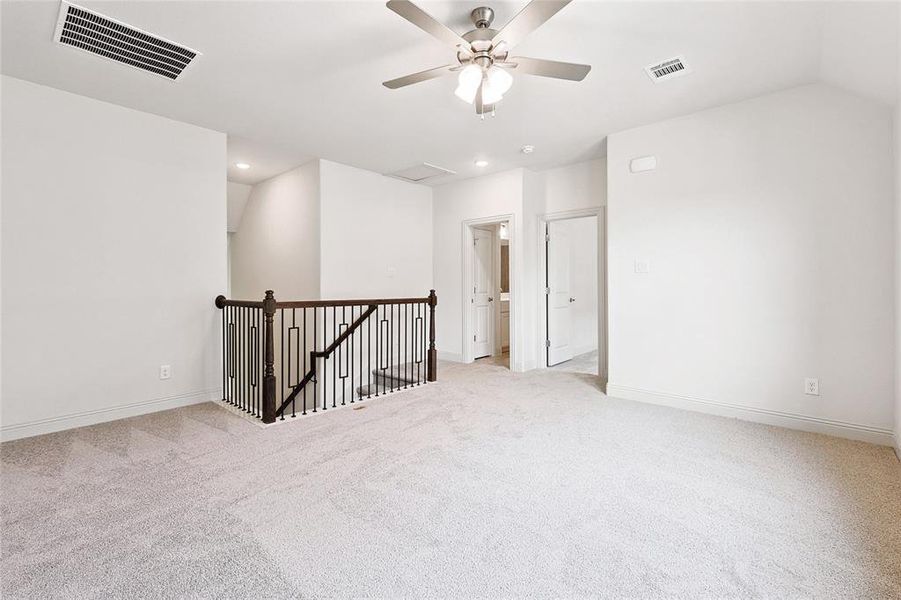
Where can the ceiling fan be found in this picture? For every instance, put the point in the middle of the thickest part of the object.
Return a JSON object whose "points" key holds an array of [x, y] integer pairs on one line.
{"points": [[483, 60]]}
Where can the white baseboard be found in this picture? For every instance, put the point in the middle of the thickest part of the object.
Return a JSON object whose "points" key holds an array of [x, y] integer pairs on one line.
{"points": [[450, 356], [852, 431], [102, 415]]}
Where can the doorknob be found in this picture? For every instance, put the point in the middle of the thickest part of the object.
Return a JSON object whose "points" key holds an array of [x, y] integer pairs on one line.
{"points": [[490, 299], [572, 299]]}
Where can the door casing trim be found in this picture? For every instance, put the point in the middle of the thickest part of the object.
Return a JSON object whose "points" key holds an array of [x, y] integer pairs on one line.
{"points": [[466, 267], [543, 220]]}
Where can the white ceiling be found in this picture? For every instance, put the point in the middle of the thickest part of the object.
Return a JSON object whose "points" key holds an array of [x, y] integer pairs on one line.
{"points": [[289, 81]]}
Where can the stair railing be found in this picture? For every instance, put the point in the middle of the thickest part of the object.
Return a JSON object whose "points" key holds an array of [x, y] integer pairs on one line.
{"points": [[366, 348]]}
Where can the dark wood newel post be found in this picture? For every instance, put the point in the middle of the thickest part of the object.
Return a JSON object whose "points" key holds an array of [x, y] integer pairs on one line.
{"points": [[432, 367], [269, 358]]}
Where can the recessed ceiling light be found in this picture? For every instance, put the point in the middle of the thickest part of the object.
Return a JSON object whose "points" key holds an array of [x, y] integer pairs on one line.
{"points": [[527, 149], [481, 163], [242, 166]]}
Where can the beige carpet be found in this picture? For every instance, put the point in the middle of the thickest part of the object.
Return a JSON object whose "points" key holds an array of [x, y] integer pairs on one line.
{"points": [[582, 363], [487, 484]]}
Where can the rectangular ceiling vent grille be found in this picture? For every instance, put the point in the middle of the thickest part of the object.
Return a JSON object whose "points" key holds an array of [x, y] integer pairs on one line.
{"points": [[100, 35], [667, 69], [419, 173]]}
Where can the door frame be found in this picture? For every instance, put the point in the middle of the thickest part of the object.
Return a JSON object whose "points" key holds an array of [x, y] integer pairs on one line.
{"points": [[466, 268], [543, 220]]}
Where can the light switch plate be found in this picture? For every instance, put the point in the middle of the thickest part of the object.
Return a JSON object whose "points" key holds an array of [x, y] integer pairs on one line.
{"points": [[642, 266]]}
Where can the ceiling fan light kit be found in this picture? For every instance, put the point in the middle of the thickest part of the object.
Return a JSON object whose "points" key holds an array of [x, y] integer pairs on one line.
{"points": [[483, 60]]}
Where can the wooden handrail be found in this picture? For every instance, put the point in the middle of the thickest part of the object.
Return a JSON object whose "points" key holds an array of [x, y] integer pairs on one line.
{"points": [[368, 302], [222, 301]]}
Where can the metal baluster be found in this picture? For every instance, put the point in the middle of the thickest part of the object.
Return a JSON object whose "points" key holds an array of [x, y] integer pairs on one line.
{"points": [[303, 351], [227, 354], [255, 360], [224, 342], [241, 382], [259, 363], [324, 359], [378, 347], [296, 360], [421, 340], [334, 362], [312, 360], [390, 346], [350, 364], [285, 343], [359, 345], [342, 356], [231, 355], [246, 361], [406, 347]]}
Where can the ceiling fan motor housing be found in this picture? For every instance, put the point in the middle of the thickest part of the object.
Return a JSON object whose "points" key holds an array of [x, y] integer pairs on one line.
{"points": [[482, 17]]}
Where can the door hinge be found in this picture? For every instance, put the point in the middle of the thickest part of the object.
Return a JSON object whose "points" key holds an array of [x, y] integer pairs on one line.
{"points": [[473, 337], [547, 237], [547, 343], [547, 291]]}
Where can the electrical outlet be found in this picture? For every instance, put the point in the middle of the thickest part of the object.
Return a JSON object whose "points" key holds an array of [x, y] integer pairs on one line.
{"points": [[165, 371], [812, 387]]}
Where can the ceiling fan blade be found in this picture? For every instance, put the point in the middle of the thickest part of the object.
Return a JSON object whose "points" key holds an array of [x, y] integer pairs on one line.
{"points": [[549, 68], [528, 20], [417, 77], [426, 22]]}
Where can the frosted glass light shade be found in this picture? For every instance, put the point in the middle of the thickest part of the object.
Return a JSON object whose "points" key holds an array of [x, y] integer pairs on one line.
{"points": [[500, 80], [495, 83], [468, 83]]}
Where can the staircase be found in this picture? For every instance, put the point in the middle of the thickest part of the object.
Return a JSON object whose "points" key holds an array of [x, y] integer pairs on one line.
{"points": [[398, 377], [330, 352]]}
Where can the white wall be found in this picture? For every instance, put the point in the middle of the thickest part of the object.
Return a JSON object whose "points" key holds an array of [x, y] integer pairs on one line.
{"points": [[376, 235], [573, 187], [238, 194], [583, 244], [113, 248], [276, 245], [898, 250], [768, 227]]}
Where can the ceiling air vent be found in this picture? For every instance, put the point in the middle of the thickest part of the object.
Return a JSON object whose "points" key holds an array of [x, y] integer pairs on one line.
{"points": [[667, 69], [100, 35], [419, 173]]}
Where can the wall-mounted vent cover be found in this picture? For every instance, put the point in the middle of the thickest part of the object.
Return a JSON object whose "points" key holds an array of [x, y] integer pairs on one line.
{"points": [[92, 32], [420, 173], [667, 69]]}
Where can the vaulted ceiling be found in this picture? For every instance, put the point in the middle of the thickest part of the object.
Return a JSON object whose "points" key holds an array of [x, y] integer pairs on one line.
{"points": [[289, 81]]}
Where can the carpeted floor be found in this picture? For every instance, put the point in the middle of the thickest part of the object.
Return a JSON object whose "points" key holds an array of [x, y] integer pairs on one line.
{"points": [[486, 484], [583, 363]]}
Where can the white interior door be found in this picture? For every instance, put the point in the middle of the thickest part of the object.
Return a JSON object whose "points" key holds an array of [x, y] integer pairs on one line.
{"points": [[559, 297], [482, 292]]}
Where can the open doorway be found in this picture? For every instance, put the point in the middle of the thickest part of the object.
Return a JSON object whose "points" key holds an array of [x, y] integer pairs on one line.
{"points": [[488, 335], [574, 295]]}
